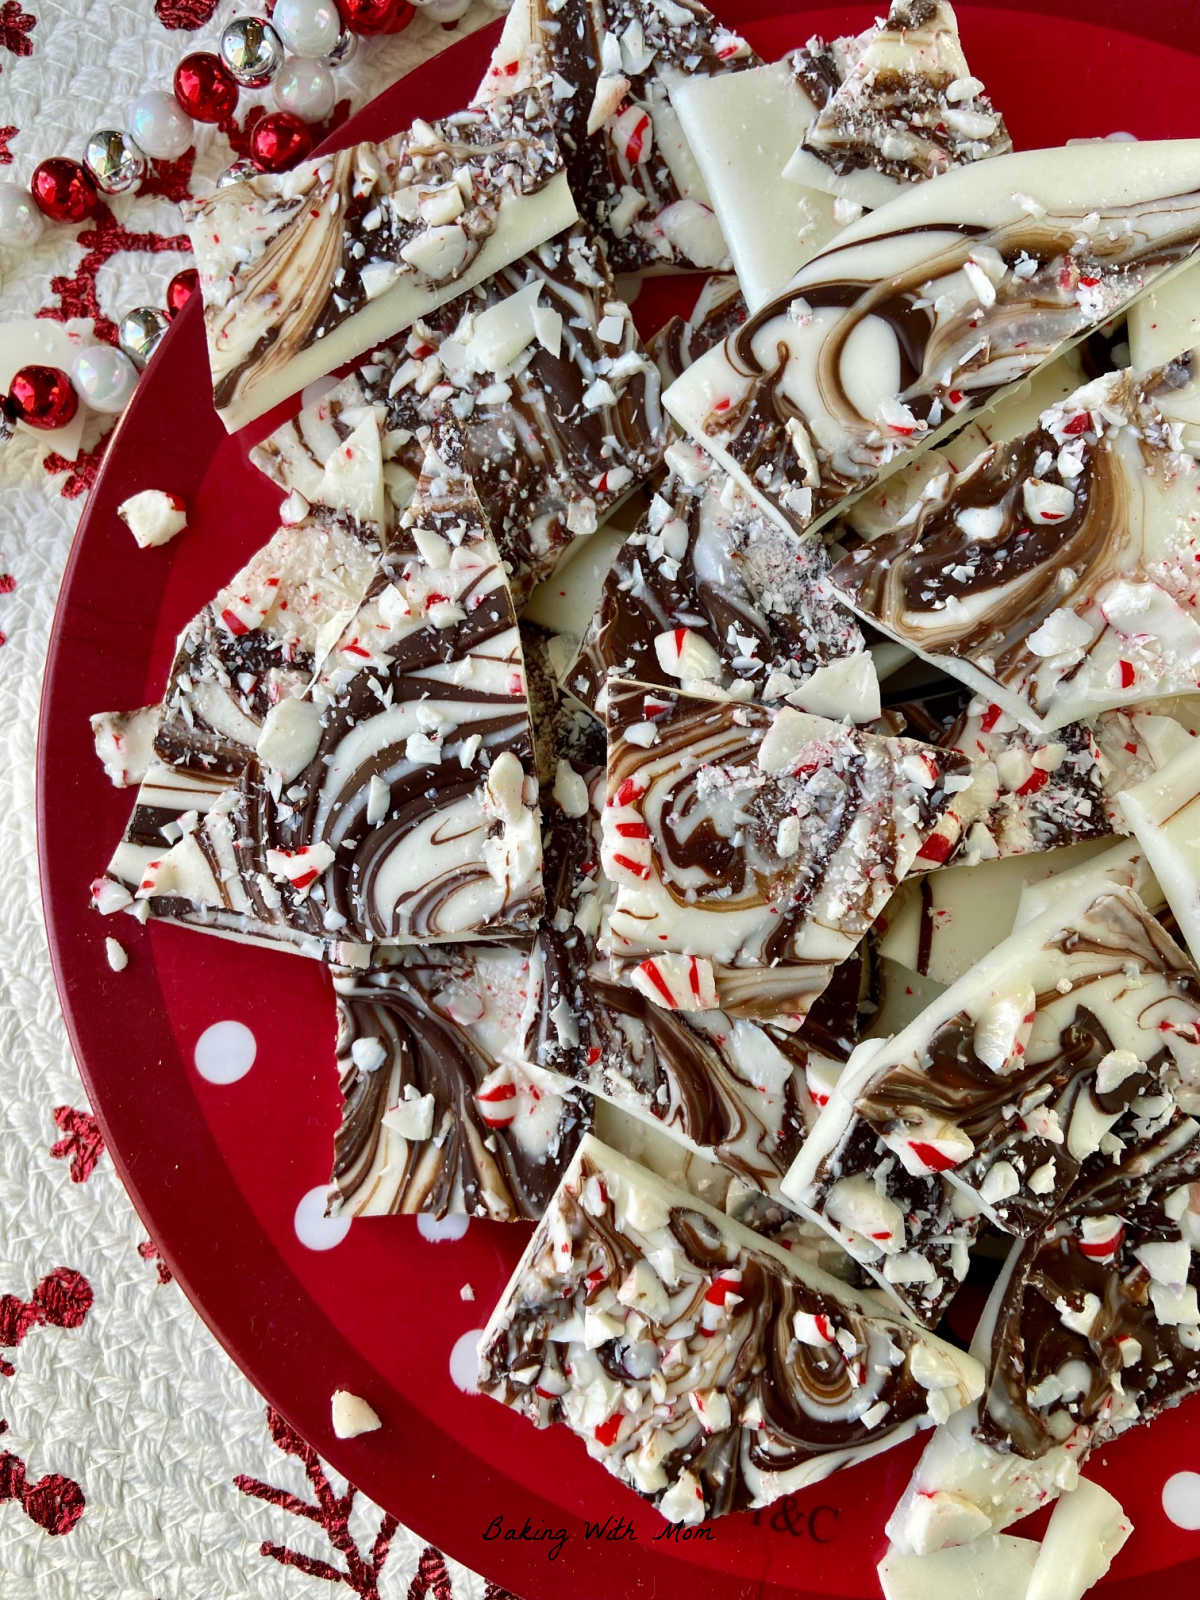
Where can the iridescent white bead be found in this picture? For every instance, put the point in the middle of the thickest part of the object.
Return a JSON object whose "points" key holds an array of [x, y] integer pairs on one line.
{"points": [[444, 10], [307, 27], [305, 87], [104, 377], [158, 124], [21, 222]]}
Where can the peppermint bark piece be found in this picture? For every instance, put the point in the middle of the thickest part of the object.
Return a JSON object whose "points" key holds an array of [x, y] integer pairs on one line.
{"points": [[304, 270], [254, 647], [1070, 1050], [752, 849], [438, 1116], [1057, 574], [700, 1365], [930, 309], [907, 109], [708, 589], [602, 70], [1163, 812], [395, 800], [737, 1091], [557, 402]]}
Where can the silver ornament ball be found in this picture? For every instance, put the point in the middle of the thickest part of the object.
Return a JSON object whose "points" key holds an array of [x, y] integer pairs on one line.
{"points": [[115, 160], [347, 44], [238, 173], [139, 332], [252, 51]]}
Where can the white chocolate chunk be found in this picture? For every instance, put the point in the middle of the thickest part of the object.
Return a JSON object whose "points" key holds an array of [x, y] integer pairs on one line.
{"points": [[153, 517], [996, 1566], [1086, 1530]]}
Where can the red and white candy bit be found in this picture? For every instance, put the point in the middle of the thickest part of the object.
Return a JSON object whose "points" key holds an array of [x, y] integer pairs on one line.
{"points": [[812, 1328], [686, 655], [633, 135], [677, 983], [1100, 1237], [720, 1298], [243, 614], [626, 836], [301, 868], [940, 844], [496, 1097], [936, 1152], [109, 896]]}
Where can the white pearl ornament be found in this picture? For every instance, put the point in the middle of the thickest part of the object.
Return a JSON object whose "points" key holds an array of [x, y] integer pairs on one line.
{"points": [[304, 87], [21, 222], [159, 126], [445, 10], [104, 378], [307, 27]]}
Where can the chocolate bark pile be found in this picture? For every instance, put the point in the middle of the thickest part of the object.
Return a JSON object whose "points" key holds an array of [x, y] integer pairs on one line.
{"points": [[747, 756]]}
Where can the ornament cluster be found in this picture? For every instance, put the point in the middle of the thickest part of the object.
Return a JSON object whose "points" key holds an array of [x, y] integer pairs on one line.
{"points": [[295, 53]]}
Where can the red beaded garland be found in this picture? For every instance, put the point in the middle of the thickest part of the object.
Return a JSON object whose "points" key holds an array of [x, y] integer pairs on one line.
{"points": [[278, 140], [63, 190], [370, 17], [205, 87], [180, 290], [44, 397]]}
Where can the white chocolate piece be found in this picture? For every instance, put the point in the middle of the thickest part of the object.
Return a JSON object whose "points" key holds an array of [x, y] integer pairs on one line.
{"points": [[860, 422], [153, 517], [742, 128], [1086, 1530], [540, 1352], [351, 1415], [352, 482], [994, 1567], [1164, 813], [116, 955], [124, 743]]}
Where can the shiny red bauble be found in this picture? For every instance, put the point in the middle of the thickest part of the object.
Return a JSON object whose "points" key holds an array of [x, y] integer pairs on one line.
{"points": [[370, 17], [63, 190], [278, 141], [44, 397], [180, 290], [204, 87]]}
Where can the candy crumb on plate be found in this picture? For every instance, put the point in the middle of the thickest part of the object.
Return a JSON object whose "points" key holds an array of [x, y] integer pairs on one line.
{"points": [[153, 517], [351, 1415]]}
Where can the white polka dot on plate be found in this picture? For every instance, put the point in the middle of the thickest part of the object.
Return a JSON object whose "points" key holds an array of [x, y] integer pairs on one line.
{"points": [[437, 1229], [314, 1229], [1181, 1499], [225, 1052], [464, 1361]]}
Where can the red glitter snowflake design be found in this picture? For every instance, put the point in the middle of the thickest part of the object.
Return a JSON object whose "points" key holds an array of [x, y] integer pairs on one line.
{"points": [[82, 1141], [173, 181], [6, 136], [331, 1512], [82, 469], [61, 1300], [102, 241], [148, 1251], [15, 27], [189, 14]]}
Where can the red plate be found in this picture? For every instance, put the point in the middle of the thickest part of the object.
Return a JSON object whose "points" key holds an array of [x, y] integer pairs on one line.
{"points": [[217, 1170]]}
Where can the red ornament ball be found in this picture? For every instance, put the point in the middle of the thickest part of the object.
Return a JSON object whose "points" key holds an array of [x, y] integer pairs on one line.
{"points": [[180, 290], [278, 141], [44, 397], [205, 87], [370, 17], [63, 190]]}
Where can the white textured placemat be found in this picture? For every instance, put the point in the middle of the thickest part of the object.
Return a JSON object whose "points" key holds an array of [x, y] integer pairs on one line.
{"points": [[135, 1461]]}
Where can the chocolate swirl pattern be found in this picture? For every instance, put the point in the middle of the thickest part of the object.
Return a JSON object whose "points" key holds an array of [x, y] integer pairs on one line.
{"points": [[754, 847], [396, 800], [898, 104], [1070, 1053], [631, 170], [560, 413], [700, 1365], [929, 309], [437, 1116], [304, 269], [709, 588], [1057, 572]]}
